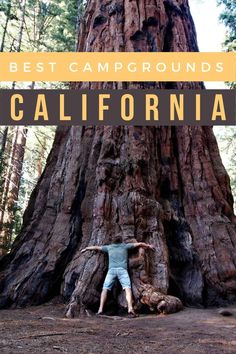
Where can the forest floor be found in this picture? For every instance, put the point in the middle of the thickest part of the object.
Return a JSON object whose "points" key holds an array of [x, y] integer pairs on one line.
{"points": [[43, 329]]}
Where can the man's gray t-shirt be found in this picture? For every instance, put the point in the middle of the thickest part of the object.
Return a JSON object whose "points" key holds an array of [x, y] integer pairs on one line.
{"points": [[118, 254]]}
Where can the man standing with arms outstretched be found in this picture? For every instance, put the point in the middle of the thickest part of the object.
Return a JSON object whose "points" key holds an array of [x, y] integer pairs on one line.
{"points": [[118, 264]]}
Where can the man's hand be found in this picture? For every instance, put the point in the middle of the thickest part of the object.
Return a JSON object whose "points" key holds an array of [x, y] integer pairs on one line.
{"points": [[91, 248], [145, 246]]}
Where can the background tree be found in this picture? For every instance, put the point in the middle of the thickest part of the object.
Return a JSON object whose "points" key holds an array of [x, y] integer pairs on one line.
{"points": [[11, 186], [226, 137], [228, 17], [39, 25], [29, 25], [21, 166], [7, 134], [162, 185], [38, 145], [7, 10]]}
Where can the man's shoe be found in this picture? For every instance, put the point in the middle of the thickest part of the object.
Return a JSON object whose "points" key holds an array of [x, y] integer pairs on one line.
{"points": [[132, 315], [100, 314]]}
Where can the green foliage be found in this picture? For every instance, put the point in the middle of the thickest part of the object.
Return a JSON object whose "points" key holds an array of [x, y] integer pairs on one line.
{"points": [[38, 146], [5, 7], [228, 18], [226, 137], [49, 25], [65, 36]]}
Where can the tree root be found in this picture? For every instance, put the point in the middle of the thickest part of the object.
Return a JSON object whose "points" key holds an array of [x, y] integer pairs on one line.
{"points": [[161, 303]]}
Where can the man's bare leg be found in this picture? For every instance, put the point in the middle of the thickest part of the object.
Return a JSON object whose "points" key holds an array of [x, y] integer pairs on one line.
{"points": [[102, 300], [129, 299]]}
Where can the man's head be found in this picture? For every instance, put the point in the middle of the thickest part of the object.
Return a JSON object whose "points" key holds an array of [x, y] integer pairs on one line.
{"points": [[117, 239]]}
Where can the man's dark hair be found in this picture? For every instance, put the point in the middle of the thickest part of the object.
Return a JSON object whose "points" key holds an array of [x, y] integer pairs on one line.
{"points": [[117, 239]]}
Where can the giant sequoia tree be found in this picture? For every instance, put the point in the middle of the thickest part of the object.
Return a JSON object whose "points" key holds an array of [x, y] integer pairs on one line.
{"points": [[162, 185]]}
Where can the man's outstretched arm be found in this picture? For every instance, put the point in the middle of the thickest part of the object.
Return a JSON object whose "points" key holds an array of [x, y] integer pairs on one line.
{"points": [[92, 248], [144, 245]]}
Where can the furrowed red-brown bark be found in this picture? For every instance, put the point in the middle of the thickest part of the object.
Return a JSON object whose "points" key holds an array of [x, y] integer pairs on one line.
{"points": [[162, 185]]}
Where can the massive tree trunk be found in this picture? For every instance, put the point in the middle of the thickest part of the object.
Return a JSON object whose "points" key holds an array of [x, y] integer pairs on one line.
{"points": [[162, 185]]}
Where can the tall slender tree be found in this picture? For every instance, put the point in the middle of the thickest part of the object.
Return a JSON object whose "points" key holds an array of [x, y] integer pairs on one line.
{"points": [[3, 140], [228, 17], [8, 14], [11, 188], [12, 176], [162, 185], [23, 5]]}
